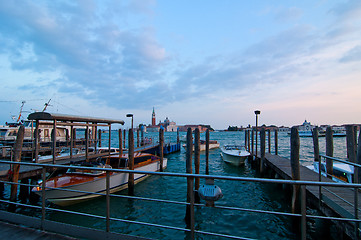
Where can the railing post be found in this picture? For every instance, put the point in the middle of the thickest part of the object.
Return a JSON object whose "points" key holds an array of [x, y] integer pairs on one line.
{"points": [[303, 211], [108, 201], [43, 197], [295, 166], [329, 151]]}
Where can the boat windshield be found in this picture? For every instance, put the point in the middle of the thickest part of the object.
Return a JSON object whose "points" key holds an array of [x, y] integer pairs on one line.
{"points": [[234, 147]]}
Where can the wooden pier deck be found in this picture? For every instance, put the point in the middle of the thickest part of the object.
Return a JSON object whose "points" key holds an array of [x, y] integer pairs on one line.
{"points": [[336, 201]]}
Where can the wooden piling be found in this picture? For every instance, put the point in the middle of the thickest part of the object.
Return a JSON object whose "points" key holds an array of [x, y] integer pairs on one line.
{"points": [[248, 140], [189, 219], [245, 139], [252, 139], [120, 143], [329, 151], [262, 149], [316, 147], [161, 146], [350, 143], [36, 140], [358, 158], [124, 137], [138, 138], [276, 142], [207, 152], [131, 162], [269, 140], [100, 138], [196, 160], [16, 167], [295, 167]]}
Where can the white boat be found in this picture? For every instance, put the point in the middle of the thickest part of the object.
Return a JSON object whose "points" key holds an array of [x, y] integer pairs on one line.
{"points": [[234, 154], [95, 181], [342, 172], [202, 147]]}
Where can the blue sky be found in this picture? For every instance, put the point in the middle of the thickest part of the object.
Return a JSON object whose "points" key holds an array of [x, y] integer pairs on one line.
{"points": [[195, 62]]}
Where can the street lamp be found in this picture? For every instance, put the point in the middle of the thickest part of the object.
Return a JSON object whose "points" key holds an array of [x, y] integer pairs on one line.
{"points": [[257, 112], [130, 115]]}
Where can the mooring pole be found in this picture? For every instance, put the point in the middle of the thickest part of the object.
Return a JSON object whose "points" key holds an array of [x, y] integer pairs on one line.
{"points": [[138, 138], [276, 142], [100, 138], [252, 139], [350, 143], [161, 146], [131, 162], [124, 137], [189, 218], [329, 151], [207, 152], [263, 150], [295, 167], [16, 167], [196, 160], [269, 140], [120, 144]]}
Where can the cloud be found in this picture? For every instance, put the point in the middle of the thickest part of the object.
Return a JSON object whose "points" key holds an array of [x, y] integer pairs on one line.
{"points": [[352, 55]]}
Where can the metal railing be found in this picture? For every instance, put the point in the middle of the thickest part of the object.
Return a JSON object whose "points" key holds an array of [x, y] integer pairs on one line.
{"points": [[191, 230]]}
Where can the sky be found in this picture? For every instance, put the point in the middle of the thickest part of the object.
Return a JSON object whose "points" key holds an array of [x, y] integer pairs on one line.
{"points": [[196, 62]]}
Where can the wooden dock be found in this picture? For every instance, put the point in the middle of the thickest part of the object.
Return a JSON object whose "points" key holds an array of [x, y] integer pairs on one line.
{"points": [[335, 201]]}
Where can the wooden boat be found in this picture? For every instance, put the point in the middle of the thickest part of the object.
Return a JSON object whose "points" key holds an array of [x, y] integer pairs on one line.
{"points": [[202, 147], [95, 181], [234, 154]]}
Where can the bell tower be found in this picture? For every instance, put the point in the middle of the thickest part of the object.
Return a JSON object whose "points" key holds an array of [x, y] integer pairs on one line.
{"points": [[153, 118]]}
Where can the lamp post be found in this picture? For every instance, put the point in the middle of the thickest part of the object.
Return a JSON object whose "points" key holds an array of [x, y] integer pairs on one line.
{"points": [[130, 115], [257, 112]]}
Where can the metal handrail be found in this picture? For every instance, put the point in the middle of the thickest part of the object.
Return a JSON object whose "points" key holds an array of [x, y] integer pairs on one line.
{"points": [[108, 195], [340, 160]]}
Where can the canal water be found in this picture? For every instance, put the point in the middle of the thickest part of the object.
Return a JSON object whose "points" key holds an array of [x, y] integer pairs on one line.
{"points": [[247, 195]]}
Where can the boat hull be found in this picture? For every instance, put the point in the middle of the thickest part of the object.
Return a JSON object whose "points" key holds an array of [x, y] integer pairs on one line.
{"points": [[234, 160], [118, 181]]}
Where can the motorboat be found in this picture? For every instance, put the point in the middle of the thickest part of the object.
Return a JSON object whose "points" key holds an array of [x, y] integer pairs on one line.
{"points": [[342, 172], [234, 154], [82, 184], [202, 147]]}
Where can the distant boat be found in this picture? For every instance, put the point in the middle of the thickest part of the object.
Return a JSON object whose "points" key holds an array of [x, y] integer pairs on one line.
{"points": [[202, 147], [95, 180], [234, 154]]}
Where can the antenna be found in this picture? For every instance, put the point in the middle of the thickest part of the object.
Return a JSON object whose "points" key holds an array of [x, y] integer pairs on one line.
{"points": [[21, 109], [46, 105]]}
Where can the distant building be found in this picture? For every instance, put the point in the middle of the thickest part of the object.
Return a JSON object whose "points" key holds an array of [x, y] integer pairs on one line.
{"points": [[153, 117]]}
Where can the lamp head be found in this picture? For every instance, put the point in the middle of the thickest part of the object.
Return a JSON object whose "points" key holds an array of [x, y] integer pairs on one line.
{"points": [[257, 112]]}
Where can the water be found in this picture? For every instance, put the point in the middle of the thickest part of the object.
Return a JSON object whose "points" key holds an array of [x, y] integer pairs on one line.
{"points": [[236, 194]]}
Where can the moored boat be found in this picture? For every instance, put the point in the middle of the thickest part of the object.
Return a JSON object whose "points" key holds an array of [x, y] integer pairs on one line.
{"points": [[202, 147], [94, 181], [342, 172], [234, 154]]}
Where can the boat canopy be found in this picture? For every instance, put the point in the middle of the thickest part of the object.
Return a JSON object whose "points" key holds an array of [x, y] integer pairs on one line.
{"points": [[65, 117]]}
